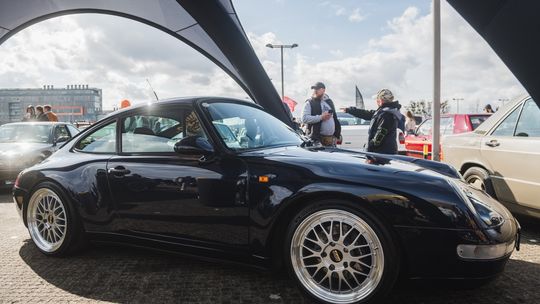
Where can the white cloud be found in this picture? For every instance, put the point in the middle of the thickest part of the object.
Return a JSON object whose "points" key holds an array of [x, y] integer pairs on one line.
{"points": [[402, 60], [339, 10], [97, 50], [336, 53], [356, 16]]}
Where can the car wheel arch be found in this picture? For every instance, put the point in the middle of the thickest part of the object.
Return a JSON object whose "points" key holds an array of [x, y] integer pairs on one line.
{"points": [[466, 166], [292, 208], [34, 188]]}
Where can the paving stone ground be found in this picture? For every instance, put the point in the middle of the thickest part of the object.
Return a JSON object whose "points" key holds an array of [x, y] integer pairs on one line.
{"points": [[127, 275]]}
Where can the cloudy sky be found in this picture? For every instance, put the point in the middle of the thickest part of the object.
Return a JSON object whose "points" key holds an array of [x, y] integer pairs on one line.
{"points": [[369, 43]]}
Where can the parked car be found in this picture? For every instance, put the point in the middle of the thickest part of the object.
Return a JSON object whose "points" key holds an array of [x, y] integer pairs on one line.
{"points": [[450, 124], [502, 156], [24, 144], [354, 133], [264, 197]]}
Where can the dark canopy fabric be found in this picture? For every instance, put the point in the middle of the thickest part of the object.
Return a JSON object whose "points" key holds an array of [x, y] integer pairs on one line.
{"points": [[210, 26], [511, 28]]}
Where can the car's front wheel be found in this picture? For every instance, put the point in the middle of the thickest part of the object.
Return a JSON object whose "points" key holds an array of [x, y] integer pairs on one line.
{"points": [[480, 179], [51, 222], [338, 254]]}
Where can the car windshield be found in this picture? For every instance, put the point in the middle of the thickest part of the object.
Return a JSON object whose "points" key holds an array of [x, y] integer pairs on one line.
{"points": [[27, 133], [244, 127], [346, 119]]}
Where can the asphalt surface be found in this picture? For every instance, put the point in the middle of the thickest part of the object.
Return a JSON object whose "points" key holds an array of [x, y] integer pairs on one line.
{"points": [[127, 275]]}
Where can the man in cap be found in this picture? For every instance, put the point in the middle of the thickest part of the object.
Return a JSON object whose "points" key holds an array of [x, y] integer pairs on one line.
{"points": [[384, 123], [319, 114]]}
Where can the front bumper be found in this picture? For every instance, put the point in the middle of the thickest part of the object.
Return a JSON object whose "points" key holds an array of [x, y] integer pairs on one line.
{"points": [[433, 253]]}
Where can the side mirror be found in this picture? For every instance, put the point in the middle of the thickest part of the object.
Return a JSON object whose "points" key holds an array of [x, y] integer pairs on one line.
{"points": [[194, 145], [61, 139]]}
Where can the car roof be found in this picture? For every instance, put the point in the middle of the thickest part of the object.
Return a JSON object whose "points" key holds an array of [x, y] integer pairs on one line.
{"points": [[51, 123], [495, 117], [178, 101]]}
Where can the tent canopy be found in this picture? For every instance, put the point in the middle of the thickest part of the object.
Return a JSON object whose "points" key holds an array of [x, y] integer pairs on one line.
{"points": [[511, 28], [210, 27]]}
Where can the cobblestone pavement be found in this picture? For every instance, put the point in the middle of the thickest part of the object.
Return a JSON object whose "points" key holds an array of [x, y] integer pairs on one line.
{"points": [[126, 275]]}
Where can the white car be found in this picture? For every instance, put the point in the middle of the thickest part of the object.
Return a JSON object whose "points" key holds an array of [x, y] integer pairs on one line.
{"points": [[355, 131]]}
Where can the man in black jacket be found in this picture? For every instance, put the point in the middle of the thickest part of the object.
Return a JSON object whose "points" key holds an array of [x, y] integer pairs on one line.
{"points": [[319, 114], [384, 123]]}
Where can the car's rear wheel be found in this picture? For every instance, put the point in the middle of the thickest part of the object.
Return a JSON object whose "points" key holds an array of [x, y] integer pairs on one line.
{"points": [[479, 179], [51, 222], [340, 255]]}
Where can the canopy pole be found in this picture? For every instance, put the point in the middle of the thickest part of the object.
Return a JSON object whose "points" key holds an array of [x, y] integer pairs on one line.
{"points": [[435, 149]]}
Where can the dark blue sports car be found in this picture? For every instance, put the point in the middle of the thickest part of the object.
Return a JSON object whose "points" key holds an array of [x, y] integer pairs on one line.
{"points": [[223, 179]]}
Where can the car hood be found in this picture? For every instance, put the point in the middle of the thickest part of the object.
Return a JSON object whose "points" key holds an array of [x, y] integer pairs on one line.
{"points": [[341, 162], [21, 148], [511, 29]]}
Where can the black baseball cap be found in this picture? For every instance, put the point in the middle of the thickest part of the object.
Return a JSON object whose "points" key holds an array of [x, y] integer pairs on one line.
{"points": [[318, 85]]}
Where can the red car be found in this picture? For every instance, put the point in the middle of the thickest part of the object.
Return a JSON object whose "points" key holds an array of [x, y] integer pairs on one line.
{"points": [[450, 124]]}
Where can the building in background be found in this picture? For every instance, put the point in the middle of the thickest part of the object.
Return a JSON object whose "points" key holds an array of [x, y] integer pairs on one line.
{"points": [[73, 103]]}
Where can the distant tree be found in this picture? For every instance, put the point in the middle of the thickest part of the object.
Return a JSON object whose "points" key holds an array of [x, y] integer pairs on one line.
{"points": [[423, 107]]}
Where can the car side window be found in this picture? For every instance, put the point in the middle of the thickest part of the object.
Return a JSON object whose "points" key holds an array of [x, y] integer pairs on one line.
{"points": [[102, 140], [425, 128], [447, 125], [61, 131], [507, 126], [529, 124], [158, 133]]}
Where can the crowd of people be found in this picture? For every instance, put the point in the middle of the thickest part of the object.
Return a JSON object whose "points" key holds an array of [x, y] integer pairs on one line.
{"points": [[39, 113], [322, 125]]}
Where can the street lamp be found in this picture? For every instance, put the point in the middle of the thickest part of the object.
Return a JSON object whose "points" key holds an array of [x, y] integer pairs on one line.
{"points": [[457, 100], [282, 46]]}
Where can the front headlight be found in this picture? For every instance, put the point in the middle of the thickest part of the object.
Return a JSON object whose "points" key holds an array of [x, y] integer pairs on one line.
{"points": [[489, 216]]}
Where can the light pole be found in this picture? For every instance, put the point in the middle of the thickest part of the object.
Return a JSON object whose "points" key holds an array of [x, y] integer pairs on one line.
{"points": [[282, 46], [502, 100], [457, 100]]}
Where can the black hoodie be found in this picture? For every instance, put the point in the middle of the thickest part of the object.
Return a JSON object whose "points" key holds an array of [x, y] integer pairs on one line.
{"points": [[382, 130]]}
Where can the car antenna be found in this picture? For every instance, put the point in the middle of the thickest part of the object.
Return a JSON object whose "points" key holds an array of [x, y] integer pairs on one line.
{"points": [[148, 81]]}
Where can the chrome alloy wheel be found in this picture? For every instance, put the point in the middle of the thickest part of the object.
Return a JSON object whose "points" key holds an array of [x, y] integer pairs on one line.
{"points": [[337, 256], [47, 220]]}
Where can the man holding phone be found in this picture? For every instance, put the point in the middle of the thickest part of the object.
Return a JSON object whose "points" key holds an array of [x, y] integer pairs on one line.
{"points": [[320, 116]]}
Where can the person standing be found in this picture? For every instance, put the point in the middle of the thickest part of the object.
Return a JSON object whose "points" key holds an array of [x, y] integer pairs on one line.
{"points": [[410, 123], [30, 114], [319, 116], [40, 116], [50, 114], [488, 109], [384, 123]]}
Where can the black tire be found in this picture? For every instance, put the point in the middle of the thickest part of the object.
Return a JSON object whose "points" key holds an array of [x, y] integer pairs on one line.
{"points": [[74, 237], [391, 262], [478, 173]]}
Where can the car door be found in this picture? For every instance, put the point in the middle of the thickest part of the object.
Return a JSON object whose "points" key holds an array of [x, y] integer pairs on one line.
{"points": [[414, 143], [176, 198], [512, 151], [60, 136]]}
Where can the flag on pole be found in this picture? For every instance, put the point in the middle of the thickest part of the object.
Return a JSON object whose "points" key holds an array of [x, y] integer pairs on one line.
{"points": [[290, 102], [359, 99]]}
